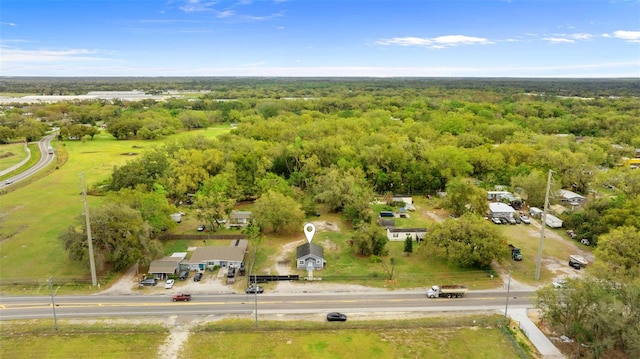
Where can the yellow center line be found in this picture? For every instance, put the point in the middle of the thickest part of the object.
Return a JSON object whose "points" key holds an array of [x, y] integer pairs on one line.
{"points": [[247, 302]]}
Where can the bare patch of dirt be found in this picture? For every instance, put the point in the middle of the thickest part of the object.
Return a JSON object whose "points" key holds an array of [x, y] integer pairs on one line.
{"points": [[559, 267], [326, 226], [436, 215], [175, 340]]}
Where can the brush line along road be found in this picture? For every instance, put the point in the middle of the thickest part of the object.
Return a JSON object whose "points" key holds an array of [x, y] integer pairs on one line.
{"points": [[161, 305]]}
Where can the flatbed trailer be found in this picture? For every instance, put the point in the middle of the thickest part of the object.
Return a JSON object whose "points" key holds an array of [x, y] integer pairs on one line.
{"points": [[448, 291]]}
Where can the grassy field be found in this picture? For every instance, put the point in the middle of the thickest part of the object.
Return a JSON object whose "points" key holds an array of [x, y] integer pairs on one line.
{"points": [[527, 237], [11, 154], [416, 338], [34, 215], [100, 339]]}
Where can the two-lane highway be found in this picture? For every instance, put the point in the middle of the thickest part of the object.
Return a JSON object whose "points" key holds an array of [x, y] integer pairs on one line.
{"points": [[144, 305]]}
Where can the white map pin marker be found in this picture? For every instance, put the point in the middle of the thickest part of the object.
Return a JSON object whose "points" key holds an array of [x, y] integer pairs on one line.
{"points": [[309, 231]]}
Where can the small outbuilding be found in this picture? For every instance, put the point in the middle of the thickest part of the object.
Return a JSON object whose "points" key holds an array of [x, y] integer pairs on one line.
{"points": [[310, 255]]}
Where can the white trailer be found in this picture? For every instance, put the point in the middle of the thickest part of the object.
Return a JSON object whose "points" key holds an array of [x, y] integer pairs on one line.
{"points": [[553, 221]]}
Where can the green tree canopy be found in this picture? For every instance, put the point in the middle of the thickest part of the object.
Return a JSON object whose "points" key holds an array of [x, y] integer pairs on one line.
{"points": [[468, 242], [618, 252], [153, 207], [369, 239], [213, 206], [602, 314], [465, 197], [120, 238], [276, 212]]}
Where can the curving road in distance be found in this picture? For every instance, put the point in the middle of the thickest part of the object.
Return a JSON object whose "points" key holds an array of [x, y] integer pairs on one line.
{"points": [[45, 159]]}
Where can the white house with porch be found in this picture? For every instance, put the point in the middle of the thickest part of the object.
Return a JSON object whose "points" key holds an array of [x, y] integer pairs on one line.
{"points": [[310, 256], [165, 267], [223, 256]]}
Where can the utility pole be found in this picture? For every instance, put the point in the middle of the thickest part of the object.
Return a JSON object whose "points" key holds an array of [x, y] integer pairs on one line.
{"points": [[255, 293], [94, 279], [53, 304], [543, 224], [506, 306]]}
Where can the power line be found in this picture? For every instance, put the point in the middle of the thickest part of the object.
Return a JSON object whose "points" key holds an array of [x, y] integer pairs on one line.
{"points": [[94, 279]]}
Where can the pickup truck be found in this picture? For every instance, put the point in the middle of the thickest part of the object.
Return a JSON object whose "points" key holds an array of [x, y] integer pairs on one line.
{"points": [[182, 297], [516, 254]]}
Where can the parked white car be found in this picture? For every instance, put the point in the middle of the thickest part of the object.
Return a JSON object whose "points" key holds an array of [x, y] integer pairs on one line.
{"points": [[169, 283], [525, 219]]}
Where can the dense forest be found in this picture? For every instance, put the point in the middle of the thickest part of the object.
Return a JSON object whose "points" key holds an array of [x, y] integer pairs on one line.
{"points": [[296, 144], [238, 87]]}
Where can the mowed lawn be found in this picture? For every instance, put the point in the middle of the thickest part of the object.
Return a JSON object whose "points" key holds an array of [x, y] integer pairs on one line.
{"points": [[34, 215], [96, 339], [11, 154], [416, 338], [355, 340]]}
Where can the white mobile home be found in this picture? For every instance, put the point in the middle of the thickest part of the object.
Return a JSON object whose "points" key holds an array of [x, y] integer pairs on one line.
{"points": [[553, 221]]}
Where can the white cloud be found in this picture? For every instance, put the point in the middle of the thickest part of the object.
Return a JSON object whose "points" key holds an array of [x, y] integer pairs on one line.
{"points": [[435, 42], [226, 13], [558, 40], [460, 39], [262, 18], [568, 38], [581, 36], [197, 6], [190, 6], [19, 55], [7, 23], [633, 36]]}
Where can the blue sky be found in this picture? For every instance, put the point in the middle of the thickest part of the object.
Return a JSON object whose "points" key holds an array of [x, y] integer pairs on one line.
{"points": [[377, 38]]}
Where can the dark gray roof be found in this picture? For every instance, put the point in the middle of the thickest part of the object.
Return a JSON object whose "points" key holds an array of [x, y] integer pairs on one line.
{"points": [[164, 265], [309, 248], [407, 230], [386, 222], [234, 252]]}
